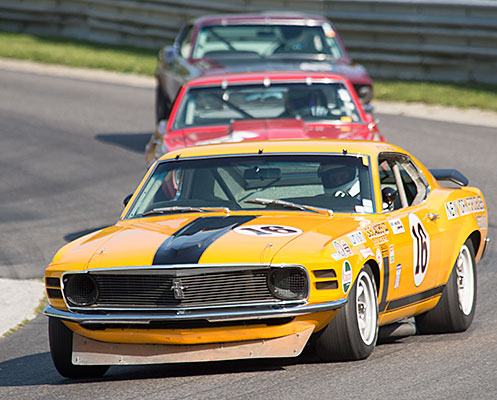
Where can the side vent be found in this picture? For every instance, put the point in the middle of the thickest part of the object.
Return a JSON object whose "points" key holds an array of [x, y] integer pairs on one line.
{"points": [[327, 284], [53, 288]]}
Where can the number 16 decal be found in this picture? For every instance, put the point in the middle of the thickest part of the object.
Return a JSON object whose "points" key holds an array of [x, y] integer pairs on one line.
{"points": [[420, 248]]}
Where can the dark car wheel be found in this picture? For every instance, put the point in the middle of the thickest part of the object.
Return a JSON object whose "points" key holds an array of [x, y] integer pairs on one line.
{"points": [[456, 308], [162, 104], [60, 338], [352, 334]]}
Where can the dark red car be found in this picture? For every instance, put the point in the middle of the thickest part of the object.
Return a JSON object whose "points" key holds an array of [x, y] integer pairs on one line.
{"points": [[260, 106], [258, 42]]}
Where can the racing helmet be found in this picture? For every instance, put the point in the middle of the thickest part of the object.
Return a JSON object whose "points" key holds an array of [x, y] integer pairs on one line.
{"points": [[339, 178]]}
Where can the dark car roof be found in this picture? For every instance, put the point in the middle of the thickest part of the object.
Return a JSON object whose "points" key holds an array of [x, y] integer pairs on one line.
{"points": [[268, 18]]}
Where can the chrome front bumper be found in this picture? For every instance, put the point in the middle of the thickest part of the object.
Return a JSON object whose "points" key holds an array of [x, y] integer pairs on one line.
{"points": [[131, 317]]}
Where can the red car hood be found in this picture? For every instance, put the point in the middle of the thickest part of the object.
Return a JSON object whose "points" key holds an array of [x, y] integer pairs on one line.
{"points": [[270, 129]]}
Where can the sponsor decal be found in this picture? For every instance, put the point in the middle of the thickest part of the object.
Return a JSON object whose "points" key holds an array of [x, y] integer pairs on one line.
{"points": [[451, 210], [346, 276], [481, 220], [267, 230], [359, 209], [346, 248], [462, 207], [391, 252], [368, 205], [339, 248], [398, 270], [379, 258], [396, 225], [420, 248], [337, 257], [380, 240], [356, 238], [376, 230], [366, 252]]}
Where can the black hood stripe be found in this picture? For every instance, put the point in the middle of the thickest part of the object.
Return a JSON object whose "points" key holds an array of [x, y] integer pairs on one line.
{"points": [[187, 245]]}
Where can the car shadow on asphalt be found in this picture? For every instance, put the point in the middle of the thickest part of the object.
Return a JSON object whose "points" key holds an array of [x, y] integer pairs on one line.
{"points": [[135, 142]]}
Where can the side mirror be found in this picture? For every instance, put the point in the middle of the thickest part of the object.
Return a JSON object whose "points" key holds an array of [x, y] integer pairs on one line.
{"points": [[389, 196], [127, 199], [169, 54], [368, 108]]}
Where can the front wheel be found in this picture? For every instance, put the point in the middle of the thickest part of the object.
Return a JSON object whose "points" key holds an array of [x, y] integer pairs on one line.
{"points": [[60, 338], [352, 333], [456, 308]]}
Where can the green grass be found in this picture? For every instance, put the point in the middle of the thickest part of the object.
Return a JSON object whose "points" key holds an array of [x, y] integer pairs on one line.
{"points": [[74, 53], [447, 94], [85, 54]]}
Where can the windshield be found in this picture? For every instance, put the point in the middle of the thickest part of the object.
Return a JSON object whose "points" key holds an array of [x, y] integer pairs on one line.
{"points": [[266, 40], [339, 183], [202, 106]]}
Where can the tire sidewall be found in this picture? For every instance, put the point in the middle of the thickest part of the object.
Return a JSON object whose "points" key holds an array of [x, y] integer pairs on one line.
{"points": [[460, 320], [352, 318]]}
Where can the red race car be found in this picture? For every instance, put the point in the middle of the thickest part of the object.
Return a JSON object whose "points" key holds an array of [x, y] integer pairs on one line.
{"points": [[262, 42], [263, 105]]}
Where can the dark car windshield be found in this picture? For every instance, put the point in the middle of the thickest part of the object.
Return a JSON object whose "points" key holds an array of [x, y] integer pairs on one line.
{"points": [[266, 40], [211, 105], [341, 183]]}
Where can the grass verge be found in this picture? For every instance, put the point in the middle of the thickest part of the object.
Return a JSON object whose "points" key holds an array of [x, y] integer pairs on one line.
{"points": [[84, 54]]}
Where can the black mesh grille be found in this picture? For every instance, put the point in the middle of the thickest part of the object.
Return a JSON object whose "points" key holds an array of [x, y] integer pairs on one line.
{"points": [[154, 291]]}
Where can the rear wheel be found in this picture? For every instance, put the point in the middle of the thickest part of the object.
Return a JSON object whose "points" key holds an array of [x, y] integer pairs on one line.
{"points": [[352, 334], [60, 338], [456, 308]]}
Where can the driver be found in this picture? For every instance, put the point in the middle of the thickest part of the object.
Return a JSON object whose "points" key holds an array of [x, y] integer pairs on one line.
{"points": [[340, 180]]}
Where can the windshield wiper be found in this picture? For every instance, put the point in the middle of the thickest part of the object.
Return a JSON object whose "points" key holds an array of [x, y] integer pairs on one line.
{"points": [[288, 204], [178, 209]]}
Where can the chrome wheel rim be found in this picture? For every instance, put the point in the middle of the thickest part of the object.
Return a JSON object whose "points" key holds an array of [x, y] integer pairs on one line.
{"points": [[465, 280], [366, 308]]}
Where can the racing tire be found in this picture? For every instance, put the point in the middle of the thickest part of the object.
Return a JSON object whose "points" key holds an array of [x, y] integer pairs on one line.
{"points": [[60, 338], [456, 308], [162, 105], [352, 333]]}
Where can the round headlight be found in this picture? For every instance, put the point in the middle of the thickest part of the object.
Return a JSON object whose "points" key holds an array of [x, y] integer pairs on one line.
{"points": [[288, 283], [80, 290]]}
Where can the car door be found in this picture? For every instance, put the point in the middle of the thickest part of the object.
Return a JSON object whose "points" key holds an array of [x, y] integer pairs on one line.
{"points": [[414, 255]]}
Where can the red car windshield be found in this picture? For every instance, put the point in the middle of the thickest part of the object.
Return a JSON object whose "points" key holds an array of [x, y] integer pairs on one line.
{"points": [[204, 106], [266, 40]]}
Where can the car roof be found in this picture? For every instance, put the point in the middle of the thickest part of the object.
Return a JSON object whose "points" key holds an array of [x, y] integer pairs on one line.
{"points": [[218, 79], [267, 18], [298, 146]]}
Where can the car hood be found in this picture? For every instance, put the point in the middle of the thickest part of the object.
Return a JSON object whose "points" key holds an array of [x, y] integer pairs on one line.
{"points": [[213, 239], [270, 129], [356, 73]]}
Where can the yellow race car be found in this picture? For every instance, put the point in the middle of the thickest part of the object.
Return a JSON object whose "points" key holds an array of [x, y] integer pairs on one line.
{"points": [[256, 249]]}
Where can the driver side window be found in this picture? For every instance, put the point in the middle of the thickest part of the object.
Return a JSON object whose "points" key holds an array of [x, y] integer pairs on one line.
{"points": [[398, 173], [185, 43]]}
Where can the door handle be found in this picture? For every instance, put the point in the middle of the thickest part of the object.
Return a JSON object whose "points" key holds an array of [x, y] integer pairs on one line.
{"points": [[433, 217]]}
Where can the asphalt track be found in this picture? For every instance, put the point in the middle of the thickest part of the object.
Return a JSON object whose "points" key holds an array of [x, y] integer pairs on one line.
{"points": [[71, 150]]}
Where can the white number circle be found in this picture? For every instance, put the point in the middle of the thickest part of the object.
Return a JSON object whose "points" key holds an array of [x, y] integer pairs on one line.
{"points": [[267, 230]]}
